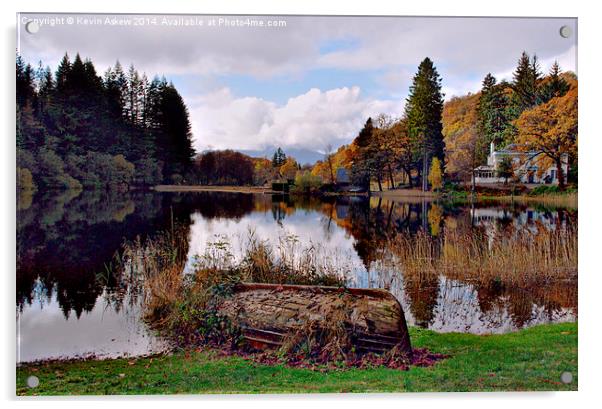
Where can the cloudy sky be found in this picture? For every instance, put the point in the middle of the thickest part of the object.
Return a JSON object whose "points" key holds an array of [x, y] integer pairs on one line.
{"points": [[297, 82]]}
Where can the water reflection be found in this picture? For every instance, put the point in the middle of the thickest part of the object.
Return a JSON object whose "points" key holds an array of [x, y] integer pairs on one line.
{"points": [[107, 329], [70, 296]]}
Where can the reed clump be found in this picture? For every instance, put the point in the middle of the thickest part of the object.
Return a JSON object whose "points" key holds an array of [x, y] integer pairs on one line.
{"points": [[157, 264], [260, 261], [526, 256]]}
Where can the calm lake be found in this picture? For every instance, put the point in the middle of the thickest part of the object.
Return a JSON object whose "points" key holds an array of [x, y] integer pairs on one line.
{"points": [[70, 305]]}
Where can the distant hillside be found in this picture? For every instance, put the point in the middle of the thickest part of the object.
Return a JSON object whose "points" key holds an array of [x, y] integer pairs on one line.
{"points": [[303, 156]]}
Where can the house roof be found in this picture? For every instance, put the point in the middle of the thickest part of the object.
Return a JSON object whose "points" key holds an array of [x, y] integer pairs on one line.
{"points": [[484, 167], [511, 148], [515, 148]]}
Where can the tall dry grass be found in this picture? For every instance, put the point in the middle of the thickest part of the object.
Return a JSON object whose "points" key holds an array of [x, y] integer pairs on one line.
{"points": [[528, 256], [158, 262], [568, 200], [287, 261]]}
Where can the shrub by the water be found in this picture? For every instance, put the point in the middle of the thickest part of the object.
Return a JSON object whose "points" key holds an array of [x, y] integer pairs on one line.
{"points": [[306, 183], [550, 190]]}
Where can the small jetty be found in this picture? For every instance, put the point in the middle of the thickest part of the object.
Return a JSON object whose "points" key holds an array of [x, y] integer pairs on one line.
{"points": [[269, 314]]}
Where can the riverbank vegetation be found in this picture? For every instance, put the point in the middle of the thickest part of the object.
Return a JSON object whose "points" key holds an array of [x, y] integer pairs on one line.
{"points": [[528, 360], [185, 306]]}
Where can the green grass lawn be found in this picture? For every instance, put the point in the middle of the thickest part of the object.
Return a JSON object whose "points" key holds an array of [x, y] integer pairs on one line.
{"points": [[532, 359]]}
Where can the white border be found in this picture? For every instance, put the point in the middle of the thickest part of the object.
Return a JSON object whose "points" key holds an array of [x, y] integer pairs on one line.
{"points": [[590, 149]]}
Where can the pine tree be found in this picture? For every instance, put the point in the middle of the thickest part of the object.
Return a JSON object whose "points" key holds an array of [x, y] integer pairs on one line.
{"points": [[62, 72], [492, 115], [45, 88], [364, 138], [132, 106], [92, 82], [24, 83], [76, 78], [112, 93], [174, 139], [143, 100], [556, 86], [279, 158], [525, 82], [121, 83], [424, 107]]}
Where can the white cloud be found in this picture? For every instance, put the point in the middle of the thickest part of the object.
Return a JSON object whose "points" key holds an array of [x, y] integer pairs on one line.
{"points": [[462, 45], [311, 120]]}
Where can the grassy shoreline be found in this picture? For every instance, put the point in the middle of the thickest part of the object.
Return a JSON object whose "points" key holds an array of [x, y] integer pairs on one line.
{"points": [[530, 359], [199, 188], [559, 199]]}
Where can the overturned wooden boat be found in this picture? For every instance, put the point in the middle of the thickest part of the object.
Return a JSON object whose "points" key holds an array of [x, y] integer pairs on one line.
{"points": [[269, 314]]}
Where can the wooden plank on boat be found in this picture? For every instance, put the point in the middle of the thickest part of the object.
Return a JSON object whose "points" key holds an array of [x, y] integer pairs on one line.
{"points": [[269, 313]]}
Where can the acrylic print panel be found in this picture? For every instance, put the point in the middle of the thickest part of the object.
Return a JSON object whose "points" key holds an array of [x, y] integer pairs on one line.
{"points": [[285, 204]]}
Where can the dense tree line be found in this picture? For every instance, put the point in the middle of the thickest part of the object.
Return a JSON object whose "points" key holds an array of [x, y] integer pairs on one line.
{"points": [[224, 168], [76, 128], [228, 167]]}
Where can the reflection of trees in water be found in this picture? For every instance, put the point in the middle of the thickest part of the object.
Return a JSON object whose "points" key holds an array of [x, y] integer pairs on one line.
{"points": [[519, 302], [373, 223], [281, 206], [435, 218], [422, 294], [219, 204], [67, 239], [511, 216]]}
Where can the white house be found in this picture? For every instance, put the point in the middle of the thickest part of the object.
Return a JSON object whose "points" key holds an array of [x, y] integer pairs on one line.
{"points": [[525, 164]]}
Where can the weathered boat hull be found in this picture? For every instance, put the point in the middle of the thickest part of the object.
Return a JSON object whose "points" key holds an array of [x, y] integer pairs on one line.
{"points": [[269, 313]]}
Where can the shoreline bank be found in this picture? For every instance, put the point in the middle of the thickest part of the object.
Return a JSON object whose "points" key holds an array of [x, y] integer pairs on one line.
{"points": [[227, 189], [529, 359], [565, 200]]}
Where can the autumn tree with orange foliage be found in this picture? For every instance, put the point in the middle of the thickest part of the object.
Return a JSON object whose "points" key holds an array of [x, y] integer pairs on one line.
{"points": [[463, 141], [551, 129], [327, 168], [289, 169], [393, 139]]}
